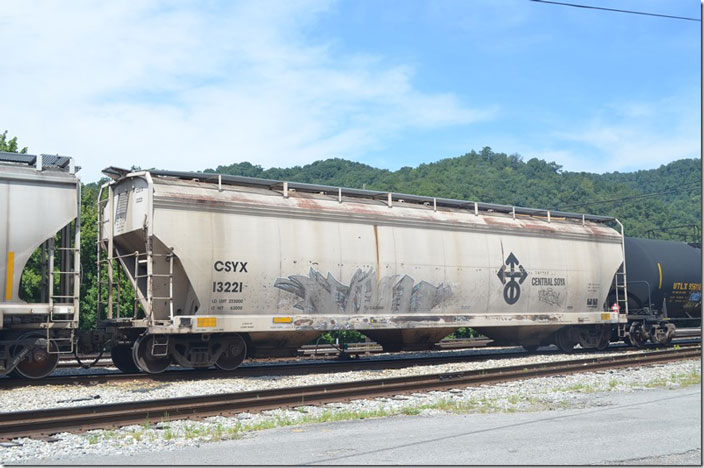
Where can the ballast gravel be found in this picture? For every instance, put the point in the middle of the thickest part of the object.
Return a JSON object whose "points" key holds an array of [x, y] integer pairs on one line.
{"points": [[60, 396], [537, 394]]}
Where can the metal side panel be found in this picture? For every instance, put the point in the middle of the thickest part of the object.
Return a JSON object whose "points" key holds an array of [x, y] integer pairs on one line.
{"points": [[328, 262], [254, 260], [34, 205]]}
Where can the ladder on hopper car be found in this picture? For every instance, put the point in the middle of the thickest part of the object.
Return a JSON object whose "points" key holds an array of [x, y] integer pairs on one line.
{"points": [[69, 291], [621, 288], [64, 304]]}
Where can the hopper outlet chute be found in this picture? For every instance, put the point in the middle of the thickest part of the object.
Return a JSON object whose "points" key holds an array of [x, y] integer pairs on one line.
{"points": [[155, 271], [161, 285]]}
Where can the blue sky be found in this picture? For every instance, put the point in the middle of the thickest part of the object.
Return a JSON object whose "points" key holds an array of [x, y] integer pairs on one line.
{"points": [[189, 85]]}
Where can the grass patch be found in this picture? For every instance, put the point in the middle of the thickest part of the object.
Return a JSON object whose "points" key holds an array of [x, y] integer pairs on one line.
{"points": [[693, 377], [677, 379], [514, 402], [580, 388]]}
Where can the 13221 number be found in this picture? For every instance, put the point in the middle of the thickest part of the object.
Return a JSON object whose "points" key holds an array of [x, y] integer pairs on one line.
{"points": [[227, 286]]}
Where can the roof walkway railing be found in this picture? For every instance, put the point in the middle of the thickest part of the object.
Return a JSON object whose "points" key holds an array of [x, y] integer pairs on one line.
{"points": [[390, 197]]}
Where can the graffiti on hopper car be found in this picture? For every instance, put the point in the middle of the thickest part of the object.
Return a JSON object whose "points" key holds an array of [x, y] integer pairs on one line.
{"points": [[392, 294], [549, 296]]}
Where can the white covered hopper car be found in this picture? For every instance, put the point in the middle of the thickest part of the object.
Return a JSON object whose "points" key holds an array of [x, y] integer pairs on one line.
{"points": [[39, 211], [228, 266]]}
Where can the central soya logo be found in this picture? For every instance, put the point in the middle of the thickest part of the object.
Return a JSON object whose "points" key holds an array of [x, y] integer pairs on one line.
{"points": [[512, 278]]}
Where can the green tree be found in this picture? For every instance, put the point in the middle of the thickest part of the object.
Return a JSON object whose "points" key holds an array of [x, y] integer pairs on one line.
{"points": [[507, 179], [10, 146]]}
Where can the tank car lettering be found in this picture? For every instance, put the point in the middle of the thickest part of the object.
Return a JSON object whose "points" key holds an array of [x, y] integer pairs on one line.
{"points": [[687, 286], [230, 266]]}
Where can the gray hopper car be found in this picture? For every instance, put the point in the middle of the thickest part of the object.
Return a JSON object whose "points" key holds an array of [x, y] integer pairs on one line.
{"points": [[39, 209], [226, 267]]}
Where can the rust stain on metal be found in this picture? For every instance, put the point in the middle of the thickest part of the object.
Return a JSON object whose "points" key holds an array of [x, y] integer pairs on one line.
{"points": [[540, 227], [418, 318], [362, 209], [544, 318], [307, 203], [376, 245]]}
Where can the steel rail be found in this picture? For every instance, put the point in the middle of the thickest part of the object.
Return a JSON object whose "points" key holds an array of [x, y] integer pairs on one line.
{"points": [[50, 421], [354, 349], [294, 368], [307, 351], [320, 350], [255, 369]]}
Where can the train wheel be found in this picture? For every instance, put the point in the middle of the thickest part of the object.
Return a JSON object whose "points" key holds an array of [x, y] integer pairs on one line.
{"points": [[145, 359], [234, 354], [122, 358], [38, 362], [670, 333], [605, 338], [564, 340], [637, 335], [603, 344]]}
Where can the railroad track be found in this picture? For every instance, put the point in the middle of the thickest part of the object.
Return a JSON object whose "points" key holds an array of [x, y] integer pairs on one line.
{"points": [[258, 369], [352, 349], [319, 350], [292, 368], [42, 423]]}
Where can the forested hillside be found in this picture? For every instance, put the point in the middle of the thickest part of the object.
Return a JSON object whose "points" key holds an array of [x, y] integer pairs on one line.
{"points": [[645, 201]]}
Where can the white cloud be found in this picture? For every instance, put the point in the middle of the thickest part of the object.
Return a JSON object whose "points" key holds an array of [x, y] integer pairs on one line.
{"points": [[179, 86], [624, 136]]}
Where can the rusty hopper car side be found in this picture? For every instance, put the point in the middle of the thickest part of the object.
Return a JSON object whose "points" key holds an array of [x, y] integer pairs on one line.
{"points": [[222, 263]]}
